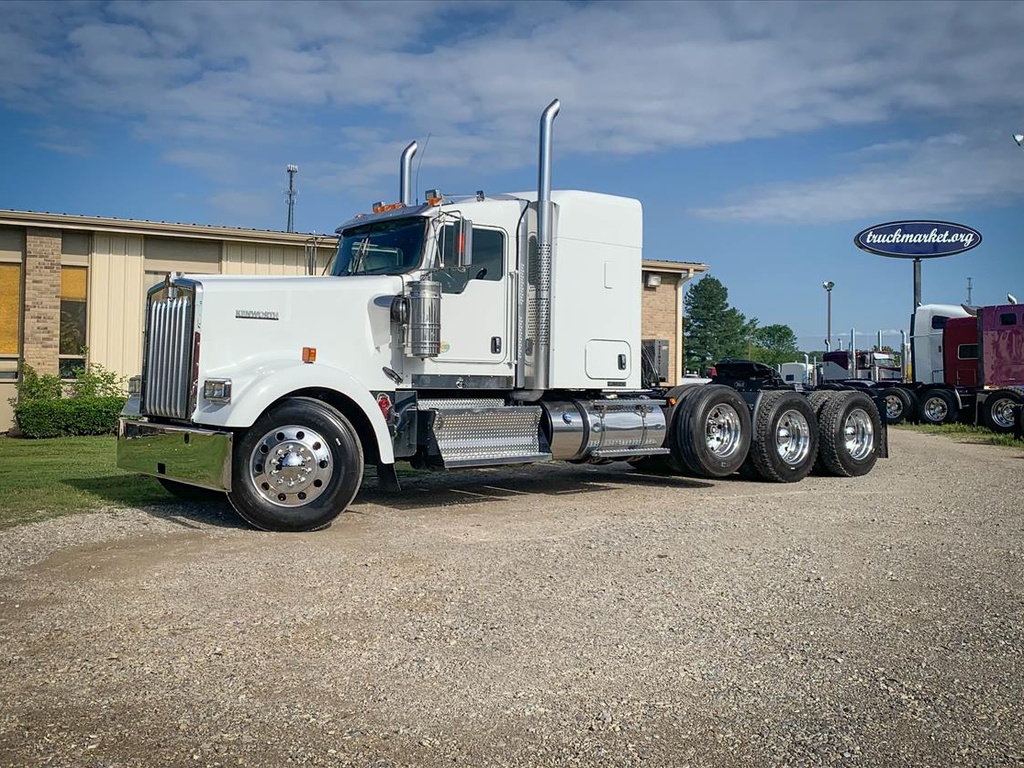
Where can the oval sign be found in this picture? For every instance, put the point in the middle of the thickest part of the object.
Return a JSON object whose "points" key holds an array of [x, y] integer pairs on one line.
{"points": [[917, 239]]}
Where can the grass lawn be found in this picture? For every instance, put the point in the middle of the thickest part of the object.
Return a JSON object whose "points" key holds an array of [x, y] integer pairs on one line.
{"points": [[966, 432], [40, 479]]}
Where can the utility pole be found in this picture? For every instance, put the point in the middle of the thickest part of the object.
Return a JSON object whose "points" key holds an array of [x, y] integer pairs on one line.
{"points": [[291, 193], [968, 291]]}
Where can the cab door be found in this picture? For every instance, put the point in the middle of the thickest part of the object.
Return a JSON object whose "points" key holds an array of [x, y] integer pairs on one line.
{"points": [[475, 318]]}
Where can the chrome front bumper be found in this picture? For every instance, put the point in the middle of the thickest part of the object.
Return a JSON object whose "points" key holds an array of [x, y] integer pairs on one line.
{"points": [[184, 454]]}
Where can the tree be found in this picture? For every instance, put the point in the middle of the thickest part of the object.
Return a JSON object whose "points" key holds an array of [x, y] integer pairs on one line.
{"points": [[774, 345], [713, 330]]}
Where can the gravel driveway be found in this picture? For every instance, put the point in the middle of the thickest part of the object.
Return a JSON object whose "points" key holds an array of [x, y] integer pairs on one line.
{"points": [[547, 616]]}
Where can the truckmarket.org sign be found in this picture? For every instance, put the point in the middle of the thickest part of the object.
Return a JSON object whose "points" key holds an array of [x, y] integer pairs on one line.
{"points": [[917, 239]]}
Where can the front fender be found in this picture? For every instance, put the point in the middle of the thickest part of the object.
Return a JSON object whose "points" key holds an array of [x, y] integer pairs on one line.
{"points": [[253, 393]]}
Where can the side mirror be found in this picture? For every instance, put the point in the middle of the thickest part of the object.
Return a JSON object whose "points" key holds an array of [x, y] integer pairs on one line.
{"points": [[463, 243]]}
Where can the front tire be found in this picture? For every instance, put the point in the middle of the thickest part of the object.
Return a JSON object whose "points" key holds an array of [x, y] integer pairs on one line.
{"points": [[850, 426], [785, 440], [297, 468]]}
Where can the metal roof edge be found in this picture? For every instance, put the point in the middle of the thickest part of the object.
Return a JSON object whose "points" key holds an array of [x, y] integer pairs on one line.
{"points": [[158, 228]]}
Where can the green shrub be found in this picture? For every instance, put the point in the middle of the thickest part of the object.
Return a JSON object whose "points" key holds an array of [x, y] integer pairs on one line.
{"points": [[97, 381], [90, 405], [35, 387], [68, 417]]}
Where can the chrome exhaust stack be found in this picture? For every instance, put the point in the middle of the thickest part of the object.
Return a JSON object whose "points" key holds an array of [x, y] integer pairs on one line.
{"points": [[545, 213], [405, 191]]}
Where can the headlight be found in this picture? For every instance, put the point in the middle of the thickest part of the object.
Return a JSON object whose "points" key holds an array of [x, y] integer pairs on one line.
{"points": [[217, 390]]}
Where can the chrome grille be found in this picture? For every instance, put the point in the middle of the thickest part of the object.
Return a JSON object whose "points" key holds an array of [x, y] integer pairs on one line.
{"points": [[168, 361]]}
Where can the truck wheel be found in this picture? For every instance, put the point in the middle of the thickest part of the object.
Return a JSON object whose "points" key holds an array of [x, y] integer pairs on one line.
{"points": [[297, 468], [849, 426], [898, 405], [817, 399], [938, 406], [711, 431], [785, 440], [187, 492], [997, 411]]}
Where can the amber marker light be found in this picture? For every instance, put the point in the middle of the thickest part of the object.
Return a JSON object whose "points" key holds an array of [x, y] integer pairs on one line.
{"points": [[309, 354]]}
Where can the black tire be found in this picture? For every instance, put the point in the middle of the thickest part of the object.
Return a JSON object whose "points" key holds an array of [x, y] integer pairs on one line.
{"points": [[818, 398], [850, 428], [785, 438], [899, 405], [997, 410], [711, 431], [318, 472], [938, 406], [187, 492]]}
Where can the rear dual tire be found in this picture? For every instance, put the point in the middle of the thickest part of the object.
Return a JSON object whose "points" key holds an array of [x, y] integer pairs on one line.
{"points": [[900, 405], [849, 430], [711, 429], [938, 406], [998, 410], [785, 439]]}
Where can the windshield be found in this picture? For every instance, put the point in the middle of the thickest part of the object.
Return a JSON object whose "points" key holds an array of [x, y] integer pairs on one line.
{"points": [[381, 248]]}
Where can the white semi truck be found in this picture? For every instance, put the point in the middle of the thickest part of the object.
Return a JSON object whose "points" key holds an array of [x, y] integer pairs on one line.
{"points": [[482, 331]]}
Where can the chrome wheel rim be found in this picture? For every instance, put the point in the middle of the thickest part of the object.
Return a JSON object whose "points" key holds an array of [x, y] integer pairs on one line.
{"points": [[935, 409], [291, 466], [723, 431], [859, 435], [793, 438], [1002, 413], [893, 406]]}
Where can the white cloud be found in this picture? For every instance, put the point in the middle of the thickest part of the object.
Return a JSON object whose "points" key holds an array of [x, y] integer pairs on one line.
{"points": [[941, 173], [643, 77]]}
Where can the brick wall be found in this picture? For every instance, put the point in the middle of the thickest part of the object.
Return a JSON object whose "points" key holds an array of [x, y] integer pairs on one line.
{"points": [[658, 318], [42, 299]]}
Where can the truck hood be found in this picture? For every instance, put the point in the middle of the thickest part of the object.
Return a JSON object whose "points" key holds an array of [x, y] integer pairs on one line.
{"points": [[251, 326]]}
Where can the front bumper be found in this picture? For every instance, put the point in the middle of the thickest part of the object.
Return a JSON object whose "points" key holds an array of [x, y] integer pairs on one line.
{"points": [[187, 455]]}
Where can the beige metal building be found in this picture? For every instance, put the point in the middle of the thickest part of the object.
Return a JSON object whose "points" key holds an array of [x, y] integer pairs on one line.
{"points": [[72, 288]]}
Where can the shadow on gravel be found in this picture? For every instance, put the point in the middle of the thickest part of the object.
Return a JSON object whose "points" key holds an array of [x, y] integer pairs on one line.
{"points": [[158, 503], [420, 490], [436, 489]]}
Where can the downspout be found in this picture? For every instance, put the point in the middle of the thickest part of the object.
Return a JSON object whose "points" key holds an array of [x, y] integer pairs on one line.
{"points": [[545, 213], [680, 359], [405, 192]]}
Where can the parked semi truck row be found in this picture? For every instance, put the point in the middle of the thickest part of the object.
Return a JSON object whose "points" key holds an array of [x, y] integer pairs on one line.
{"points": [[967, 363], [478, 331]]}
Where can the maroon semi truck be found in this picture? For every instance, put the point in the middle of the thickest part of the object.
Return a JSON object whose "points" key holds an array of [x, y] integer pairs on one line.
{"points": [[967, 363]]}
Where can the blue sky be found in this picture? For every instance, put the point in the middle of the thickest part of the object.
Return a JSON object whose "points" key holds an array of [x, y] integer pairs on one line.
{"points": [[760, 137]]}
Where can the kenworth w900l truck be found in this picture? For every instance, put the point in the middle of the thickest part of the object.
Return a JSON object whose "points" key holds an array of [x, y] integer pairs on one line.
{"points": [[484, 331]]}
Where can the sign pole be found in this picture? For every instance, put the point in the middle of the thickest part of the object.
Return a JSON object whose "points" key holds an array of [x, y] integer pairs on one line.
{"points": [[917, 284]]}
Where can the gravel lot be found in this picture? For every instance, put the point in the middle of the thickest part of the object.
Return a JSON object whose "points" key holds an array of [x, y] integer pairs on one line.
{"points": [[547, 616]]}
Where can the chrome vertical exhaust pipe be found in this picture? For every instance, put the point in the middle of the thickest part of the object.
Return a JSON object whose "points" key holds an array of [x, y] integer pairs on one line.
{"points": [[405, 192], [545, 213]]}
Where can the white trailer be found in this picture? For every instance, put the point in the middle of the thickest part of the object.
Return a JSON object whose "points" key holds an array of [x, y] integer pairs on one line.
{"points": [[460, 332]]}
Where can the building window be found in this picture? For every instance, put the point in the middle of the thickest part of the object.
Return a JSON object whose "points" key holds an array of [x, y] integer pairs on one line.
{"points": [[10, 319], [72, 320]]}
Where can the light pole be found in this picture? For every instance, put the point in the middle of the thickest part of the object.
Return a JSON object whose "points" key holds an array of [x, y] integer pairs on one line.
{"points": [[828, 285], [1019, 138]]}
